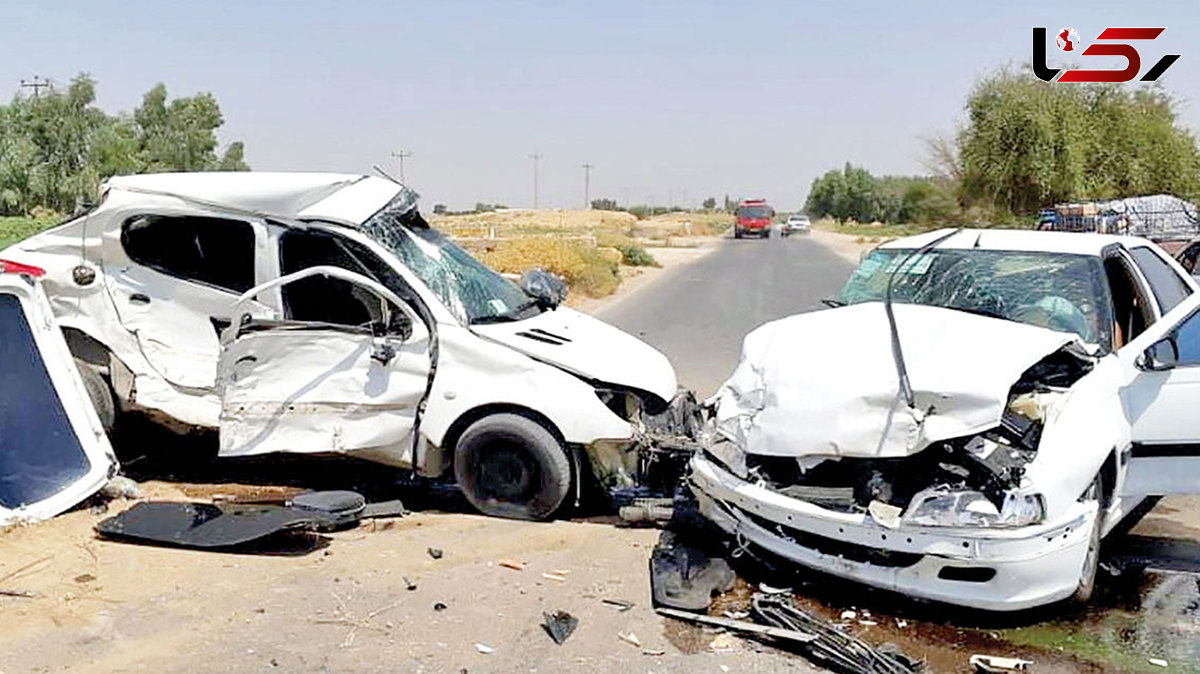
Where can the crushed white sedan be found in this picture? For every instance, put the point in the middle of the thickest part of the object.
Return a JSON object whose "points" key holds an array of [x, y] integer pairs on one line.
{"points": [[979, 409], [320, 313]]}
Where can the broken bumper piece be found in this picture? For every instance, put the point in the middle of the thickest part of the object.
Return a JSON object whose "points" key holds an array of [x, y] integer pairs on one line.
{"points": [[999, 569]]}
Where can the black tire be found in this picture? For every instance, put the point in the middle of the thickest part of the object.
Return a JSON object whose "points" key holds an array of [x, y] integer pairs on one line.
{"points": [[1091, 563], [100, 394], [510, 466]]}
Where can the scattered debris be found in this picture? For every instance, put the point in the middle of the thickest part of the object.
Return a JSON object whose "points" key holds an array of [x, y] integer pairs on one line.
{"points": [[630, 638], [409, 585], [484, 648], [619, 604], [736, 615], [822, 643], [653, 651], [989, 664], [849, 615], [210, 526], [120, 487], [439, 606], [647, 510], [901, 623], [684, 576], [885, 514], [1158, 662], [17, 593], [559, 625], [84, 578], [382, 509], [435, 553], [554, 576], [867, 623], [514, 564], [723, 643]]}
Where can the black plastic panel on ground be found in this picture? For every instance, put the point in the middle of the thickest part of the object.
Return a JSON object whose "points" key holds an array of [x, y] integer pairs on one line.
{"points": [[40, 454]]}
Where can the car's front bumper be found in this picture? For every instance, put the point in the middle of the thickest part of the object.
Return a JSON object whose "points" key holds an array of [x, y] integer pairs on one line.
{"points": [[994, 569]]}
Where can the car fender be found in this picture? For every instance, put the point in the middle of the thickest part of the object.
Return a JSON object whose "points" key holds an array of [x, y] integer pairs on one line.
{"points": [[473, 373]]}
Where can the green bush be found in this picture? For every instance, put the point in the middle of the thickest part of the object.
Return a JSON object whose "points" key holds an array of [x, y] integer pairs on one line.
{"points": [[636, 256]]}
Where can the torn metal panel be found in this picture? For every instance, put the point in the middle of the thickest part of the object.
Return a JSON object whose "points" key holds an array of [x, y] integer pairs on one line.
{"points": [[838, 396], [53, 450]]}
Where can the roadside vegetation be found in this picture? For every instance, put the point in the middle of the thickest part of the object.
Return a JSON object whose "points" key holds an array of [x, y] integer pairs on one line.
{"points": [[15, 228], [56, 148], [1026, 145]]}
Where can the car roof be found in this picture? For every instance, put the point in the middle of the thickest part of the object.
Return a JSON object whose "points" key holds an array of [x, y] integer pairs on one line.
{"points": [[345, 197], [1077, 243]]}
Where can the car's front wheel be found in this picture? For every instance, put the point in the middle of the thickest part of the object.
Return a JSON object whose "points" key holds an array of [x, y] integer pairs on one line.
{"points": [[511, 466]]}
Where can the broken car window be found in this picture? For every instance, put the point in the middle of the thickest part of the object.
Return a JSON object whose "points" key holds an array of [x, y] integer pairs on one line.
{"points": [[1052, 290], [319, 298], [212, 251], [471, 290], [40, 454]]}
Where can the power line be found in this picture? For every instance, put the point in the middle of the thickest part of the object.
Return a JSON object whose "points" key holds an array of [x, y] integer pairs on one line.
{"points": [[536, 156], [37, 84], [587, 180], [401, 155]]}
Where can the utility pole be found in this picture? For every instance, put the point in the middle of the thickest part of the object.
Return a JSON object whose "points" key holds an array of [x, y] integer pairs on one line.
{"points": [[37, 84], [536, 156], [400, 155], [587, 180]]}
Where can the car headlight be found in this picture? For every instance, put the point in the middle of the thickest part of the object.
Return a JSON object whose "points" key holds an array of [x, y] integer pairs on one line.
{"points": [[942, 507]]}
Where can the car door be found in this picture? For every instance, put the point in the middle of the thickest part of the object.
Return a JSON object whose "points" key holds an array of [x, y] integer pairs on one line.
{"points": [[174, 284], [322, 386], [1162, 397]]}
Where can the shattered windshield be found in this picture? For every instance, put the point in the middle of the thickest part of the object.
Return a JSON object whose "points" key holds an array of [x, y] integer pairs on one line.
{"points": [[471, 290], [1052, 290]]}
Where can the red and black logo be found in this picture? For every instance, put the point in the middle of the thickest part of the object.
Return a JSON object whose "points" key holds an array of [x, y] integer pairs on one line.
{"points": [[1068, 40]]}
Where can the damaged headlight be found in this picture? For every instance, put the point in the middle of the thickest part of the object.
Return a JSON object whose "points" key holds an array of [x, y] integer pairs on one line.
{"points": [[942, 507], [622, 403]]}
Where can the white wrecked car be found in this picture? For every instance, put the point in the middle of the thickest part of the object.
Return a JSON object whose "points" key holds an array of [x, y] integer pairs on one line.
{"points": [[1035, 393], [53, 450], [350, 327]]}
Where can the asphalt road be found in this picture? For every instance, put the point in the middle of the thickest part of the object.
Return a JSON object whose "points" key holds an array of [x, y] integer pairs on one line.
{"points": [[698, 314]]}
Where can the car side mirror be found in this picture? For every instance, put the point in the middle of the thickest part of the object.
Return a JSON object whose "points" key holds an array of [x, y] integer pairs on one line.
{"points": [[546, 288], [1159, 356]]}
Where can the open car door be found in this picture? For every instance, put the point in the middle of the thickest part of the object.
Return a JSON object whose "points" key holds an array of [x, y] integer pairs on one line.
{"points": [[1162, 402], [318, 387], [53, 451]]}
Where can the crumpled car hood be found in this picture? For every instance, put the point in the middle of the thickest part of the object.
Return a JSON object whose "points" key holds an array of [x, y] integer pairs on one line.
{"points": [[825, 383], [589, 348]]}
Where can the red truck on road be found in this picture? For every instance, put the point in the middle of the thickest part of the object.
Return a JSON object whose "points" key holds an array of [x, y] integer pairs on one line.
{"points": [[753, 217]]}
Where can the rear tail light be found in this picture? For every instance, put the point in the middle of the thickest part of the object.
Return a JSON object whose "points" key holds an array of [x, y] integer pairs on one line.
{"points": [[10, 267]]}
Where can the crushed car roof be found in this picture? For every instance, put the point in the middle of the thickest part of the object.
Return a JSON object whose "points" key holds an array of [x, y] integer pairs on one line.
{"points": [[1076, 243], [344, 197]]}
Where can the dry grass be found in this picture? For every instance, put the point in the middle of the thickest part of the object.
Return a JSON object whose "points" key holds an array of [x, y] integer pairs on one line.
{"points": [[588, 269]]}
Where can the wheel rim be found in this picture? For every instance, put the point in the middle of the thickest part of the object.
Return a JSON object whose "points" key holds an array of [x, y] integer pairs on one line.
{"points": [[506, 472]]}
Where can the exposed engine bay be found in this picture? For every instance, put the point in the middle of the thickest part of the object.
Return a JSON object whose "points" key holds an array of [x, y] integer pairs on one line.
{"points": [[974, 480]]}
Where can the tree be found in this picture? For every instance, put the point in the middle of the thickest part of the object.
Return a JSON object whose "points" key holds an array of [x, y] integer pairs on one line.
{"points": [[709, 203], [605, 205], [1028, 144], [439, 209], [56, 148]]}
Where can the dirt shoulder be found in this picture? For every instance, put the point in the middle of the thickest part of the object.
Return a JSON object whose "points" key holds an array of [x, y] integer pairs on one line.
{"points": [[635, 279]]}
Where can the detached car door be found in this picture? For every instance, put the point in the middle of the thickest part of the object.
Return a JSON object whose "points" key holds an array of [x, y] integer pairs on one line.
{"points": [[175, 288], [1162, 399], [319, 386]]}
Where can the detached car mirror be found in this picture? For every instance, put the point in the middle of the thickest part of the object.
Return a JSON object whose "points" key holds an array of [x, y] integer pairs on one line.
{"points": [[1161, 355], [548, 289]]}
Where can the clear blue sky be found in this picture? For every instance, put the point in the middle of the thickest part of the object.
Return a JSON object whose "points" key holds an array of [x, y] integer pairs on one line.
{"points": [[702, 98]]}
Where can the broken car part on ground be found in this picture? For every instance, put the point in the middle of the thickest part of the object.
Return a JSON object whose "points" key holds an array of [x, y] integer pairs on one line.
{"points": [[1053, 388], [53, 450], [320, 313]]}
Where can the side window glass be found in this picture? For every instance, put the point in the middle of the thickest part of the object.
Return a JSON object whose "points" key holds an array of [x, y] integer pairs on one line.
{"points": [[1187, 340], [211, 251], [1169, 288]]}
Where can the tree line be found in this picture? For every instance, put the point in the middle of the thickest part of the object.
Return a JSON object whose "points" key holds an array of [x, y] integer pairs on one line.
{"points": [[1026, 145], [56, 147]]}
